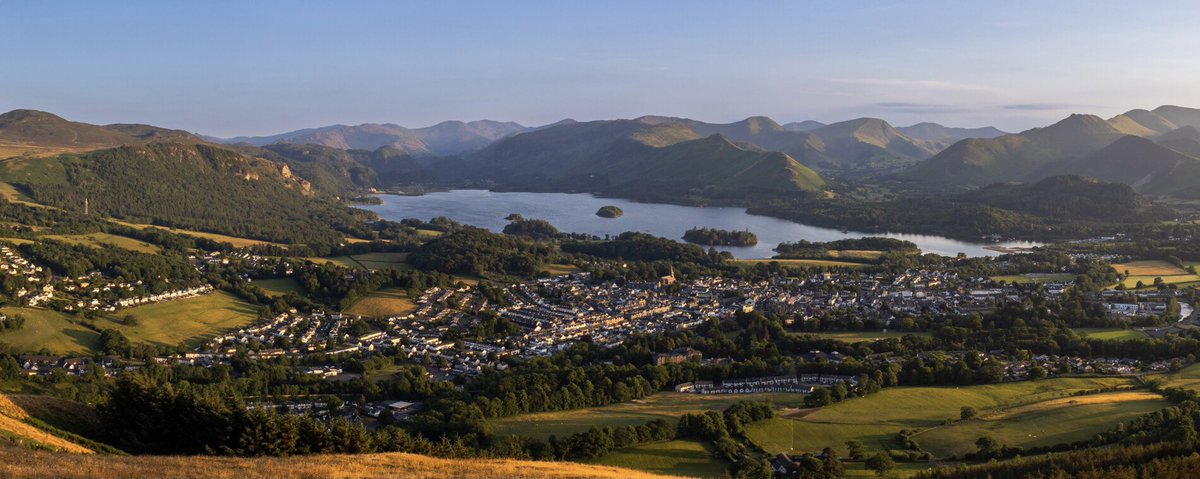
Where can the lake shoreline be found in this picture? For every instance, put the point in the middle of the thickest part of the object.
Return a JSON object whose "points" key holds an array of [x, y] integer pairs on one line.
{"points": [[575, 212]]}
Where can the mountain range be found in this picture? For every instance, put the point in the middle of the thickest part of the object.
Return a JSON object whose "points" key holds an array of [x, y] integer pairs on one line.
{"points": [[443, 139], [1155, 151]]}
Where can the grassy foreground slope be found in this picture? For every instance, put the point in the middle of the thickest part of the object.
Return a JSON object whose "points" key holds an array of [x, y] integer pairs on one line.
{"points": [[18, 463]]}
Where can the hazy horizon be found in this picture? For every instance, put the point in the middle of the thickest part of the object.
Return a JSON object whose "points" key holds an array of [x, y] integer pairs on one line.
{"points": [[232, 69]]}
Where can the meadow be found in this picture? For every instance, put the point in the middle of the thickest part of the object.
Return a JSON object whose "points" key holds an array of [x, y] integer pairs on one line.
{"points": [[1044, 423], [1035, 278], [665, 405], [279, 286], [50, 330], [1107, 333], [105, 240], [233, 240], [876, 419], [384, 303], [189, 320], [367, 260], [1148, 270], [678, 457]]}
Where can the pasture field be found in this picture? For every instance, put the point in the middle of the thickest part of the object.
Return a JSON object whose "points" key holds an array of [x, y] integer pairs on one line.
{"points": [[855, 254], [367, 260], [189, 320], [234, 240], [679, 457], [384, 303], [1188, 377], [1105, 333], [865, 336], [1035, 278], [876, 419], [1147, 271], [665, 405], [561, 269], [279, 286], [49, 329], [1045, 423], [105, 240], [806, 263]]}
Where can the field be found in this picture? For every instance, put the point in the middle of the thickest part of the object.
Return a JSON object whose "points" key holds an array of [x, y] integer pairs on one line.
{"points": [[876, 419], [1102, 333], [1035, 278], [807, 263], [105, 240], [49, 329], [1188, 377], [21, 463], [561, 269], [367, 261], [688, 458], [279, 286], [855, 254], [864, 336], [190, 320], [384, 303], [235, 241], [667, 405], [1147, 271], [1045, 423]]}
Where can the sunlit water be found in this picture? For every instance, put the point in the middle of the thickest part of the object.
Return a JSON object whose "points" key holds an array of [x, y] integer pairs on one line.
{"points": [[576, 212]]}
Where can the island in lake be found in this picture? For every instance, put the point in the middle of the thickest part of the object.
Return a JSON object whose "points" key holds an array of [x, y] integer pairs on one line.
{"points": [[719, 237], [609, 211]]}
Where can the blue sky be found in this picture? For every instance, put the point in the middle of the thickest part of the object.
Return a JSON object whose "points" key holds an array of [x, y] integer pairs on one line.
{"points": [[230, 68]]}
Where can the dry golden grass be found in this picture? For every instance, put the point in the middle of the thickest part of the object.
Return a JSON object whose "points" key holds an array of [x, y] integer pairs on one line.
{"points": [[9, 150], [235, 241], [24, 464], [1149, 268], [13, 425], [384, 303]]}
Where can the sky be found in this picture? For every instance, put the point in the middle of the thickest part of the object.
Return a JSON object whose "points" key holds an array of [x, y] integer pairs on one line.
{"points": [[229, 68]]}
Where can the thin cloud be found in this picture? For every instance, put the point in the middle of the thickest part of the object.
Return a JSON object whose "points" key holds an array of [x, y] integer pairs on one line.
{"points": [[906, 107], [917, 84], [1040, 106]]}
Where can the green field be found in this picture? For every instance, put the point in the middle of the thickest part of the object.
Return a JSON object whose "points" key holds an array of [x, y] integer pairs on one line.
{"points": [[667, 405], [49, 329], [279, 286], [1045, 423], [680, 458], [1188, 377], [876, 419], [1105, 333], [865, 336], [191, 320], [384, 303], [1035, 278], [106, 240], [233, 240], [561, 269], [367, 260], [1147, 271]]}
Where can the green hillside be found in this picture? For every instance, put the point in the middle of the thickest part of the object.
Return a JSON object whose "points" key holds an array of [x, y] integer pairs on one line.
{"points": [[643, 158], [195, 186], [978, 162], [1149, 168]]}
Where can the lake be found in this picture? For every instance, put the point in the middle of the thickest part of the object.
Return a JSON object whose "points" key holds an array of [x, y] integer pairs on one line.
{"points": [[576, 213]]}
